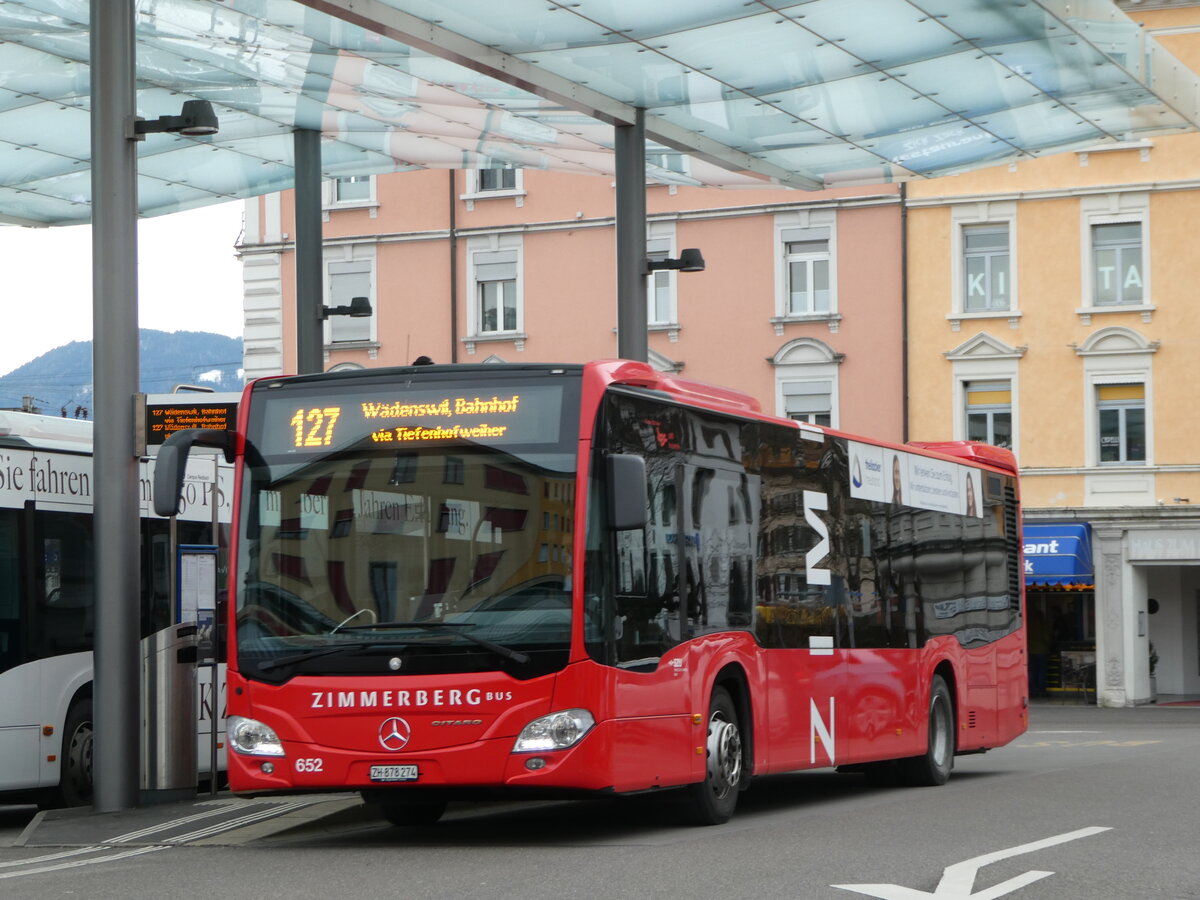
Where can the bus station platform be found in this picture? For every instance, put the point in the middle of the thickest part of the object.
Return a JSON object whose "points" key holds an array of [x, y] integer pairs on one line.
{"points": [[207, 820]]}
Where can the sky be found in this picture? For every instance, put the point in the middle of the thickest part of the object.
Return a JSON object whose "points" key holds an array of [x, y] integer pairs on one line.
{"points": [[47, 280]]}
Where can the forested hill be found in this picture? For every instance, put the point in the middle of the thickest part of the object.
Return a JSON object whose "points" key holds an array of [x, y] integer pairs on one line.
{"points": [[61, 379]]}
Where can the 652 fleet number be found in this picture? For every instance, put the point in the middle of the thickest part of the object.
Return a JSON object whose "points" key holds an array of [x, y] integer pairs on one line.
{"points": [[315, 764]]}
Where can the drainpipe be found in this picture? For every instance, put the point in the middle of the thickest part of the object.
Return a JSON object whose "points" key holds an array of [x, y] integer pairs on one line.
{"points": [[453, 272], [904, 309]]}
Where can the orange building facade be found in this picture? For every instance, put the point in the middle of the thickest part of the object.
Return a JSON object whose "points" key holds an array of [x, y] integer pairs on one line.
{"points": [[799, 304], [1052, 310]]}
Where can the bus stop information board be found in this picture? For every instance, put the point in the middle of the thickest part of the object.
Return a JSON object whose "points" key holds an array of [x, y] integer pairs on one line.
{"points": [[167, 414]]}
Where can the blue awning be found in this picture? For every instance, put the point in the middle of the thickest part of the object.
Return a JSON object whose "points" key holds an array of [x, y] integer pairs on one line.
{"points": [[1058, 555]]}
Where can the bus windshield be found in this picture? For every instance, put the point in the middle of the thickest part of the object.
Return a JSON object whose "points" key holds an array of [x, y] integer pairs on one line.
{"points": [[423, 525]]}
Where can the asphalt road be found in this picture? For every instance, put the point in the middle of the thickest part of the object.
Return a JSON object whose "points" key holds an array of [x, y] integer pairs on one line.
{"points": [[1091, 804]]}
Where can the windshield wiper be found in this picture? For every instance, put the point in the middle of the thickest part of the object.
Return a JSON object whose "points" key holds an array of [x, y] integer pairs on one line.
{"points": [[316, 653], [507, 652]]}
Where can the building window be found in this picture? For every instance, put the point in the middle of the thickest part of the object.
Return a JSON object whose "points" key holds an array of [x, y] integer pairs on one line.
{"points": [[809, 401], [352, 189], [349, 192], [983, 262], [496, 179], [660, 285], [670, 160], [1114, 260], [347, 280], [807, 261], [1117, 264], [989, 412], [986, 268], [496, 291], [1121, 416], [806, 381]]}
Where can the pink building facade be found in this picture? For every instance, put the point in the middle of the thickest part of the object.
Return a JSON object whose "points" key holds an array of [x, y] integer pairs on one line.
{"points": [[801, 302]]}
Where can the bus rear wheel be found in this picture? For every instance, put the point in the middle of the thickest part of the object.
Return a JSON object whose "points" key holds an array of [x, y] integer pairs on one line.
{"points": [[933, 767], [713, 800]]}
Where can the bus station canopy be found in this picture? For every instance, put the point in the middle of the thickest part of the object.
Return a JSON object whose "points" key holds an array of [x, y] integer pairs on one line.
{"points": [[809, 94]]}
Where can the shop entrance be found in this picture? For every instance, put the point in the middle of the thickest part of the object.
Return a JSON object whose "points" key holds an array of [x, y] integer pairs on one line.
{"points": [[1061, 626], [1173, 630]]}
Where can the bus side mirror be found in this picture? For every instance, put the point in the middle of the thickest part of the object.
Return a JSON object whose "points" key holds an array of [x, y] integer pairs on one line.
{"points": [[626, 491], [171, 463]]}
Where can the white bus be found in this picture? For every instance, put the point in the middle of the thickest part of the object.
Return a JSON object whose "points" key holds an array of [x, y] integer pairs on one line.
{"points": [[47, 601]]}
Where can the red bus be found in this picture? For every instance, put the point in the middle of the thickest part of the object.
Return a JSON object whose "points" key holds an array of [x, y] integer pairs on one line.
{"points": [[539, 580]]}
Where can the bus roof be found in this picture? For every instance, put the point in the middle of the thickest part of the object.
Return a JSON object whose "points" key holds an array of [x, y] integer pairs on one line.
{"points": [[20, 429]]}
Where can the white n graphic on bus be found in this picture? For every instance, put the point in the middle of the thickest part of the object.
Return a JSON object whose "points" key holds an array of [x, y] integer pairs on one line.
{"points": [[820, 733]]}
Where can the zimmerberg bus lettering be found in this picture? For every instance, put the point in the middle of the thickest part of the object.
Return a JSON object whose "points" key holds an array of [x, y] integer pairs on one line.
{"points": [[405, 699], [813, 501]]}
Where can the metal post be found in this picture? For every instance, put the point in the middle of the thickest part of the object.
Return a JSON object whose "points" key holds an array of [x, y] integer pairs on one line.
{"points": [[215, 639], [310, 281], [630, 146], [117, 659]]}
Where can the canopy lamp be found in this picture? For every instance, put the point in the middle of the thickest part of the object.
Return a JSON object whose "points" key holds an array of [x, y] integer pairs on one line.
{"points": [[359, 308], [690, 260], [196, 119]]}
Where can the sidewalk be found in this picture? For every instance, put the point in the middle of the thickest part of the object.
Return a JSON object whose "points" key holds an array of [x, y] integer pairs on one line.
{"points": [[1088, 698]]}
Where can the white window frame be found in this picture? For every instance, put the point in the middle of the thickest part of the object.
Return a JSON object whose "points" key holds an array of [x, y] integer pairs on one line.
{"points": [[1115, 355], [988, 410], [668, 160], [479, 249], [814, 224], [350, 257], [660, 244], [474, 192], [1122, 408], [1113, 209], [807, 365], [985, 358], [331, 201], [964, 216]]}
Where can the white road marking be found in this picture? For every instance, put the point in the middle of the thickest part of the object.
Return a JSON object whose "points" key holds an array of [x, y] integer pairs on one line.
{"points": [[174, 823], [48, 857], [958, 880], [112, 857]]}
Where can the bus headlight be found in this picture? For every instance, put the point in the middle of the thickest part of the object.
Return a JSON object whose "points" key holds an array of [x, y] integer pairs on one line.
{"points": [[557, 731], [252, 737]]}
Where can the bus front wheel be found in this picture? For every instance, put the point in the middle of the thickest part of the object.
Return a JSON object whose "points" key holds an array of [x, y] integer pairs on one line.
{"points": [[933, 767], [75, 772], [713, 800], [408, 812]]}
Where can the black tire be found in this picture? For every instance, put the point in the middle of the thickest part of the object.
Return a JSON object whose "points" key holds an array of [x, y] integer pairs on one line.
{"points": [[409, 812], [75, 763], [933, 767], [713, 800]]}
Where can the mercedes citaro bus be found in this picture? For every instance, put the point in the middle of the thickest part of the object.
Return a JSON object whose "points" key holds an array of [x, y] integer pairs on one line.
{"points": [[537, 580]]}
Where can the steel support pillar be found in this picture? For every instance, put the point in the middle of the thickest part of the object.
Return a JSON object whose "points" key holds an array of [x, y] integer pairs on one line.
{"points": [[117, 661], [310, 266], [630, 145]]}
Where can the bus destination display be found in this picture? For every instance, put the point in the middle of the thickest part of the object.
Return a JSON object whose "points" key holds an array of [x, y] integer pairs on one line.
{"points": [[521, 414]]}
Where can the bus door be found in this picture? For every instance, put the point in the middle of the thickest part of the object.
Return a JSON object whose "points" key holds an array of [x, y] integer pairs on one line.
{"points": [[651, 688], [800, 614]]}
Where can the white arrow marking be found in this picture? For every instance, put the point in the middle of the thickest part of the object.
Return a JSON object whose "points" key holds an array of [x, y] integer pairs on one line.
{"points": [[958, 880]]}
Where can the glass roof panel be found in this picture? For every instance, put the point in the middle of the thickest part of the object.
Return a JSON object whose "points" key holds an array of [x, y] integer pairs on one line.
{"points": [[822, 92]]}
